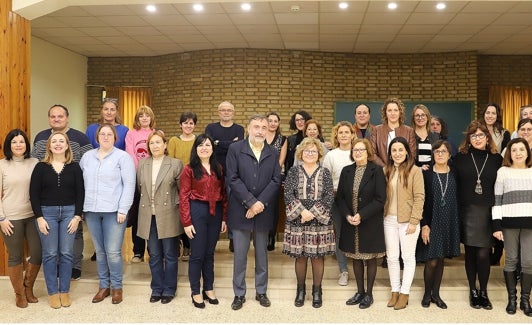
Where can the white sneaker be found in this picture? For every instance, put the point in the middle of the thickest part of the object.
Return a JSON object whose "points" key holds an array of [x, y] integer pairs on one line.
{"points": [[344, 277], [136, 259]]}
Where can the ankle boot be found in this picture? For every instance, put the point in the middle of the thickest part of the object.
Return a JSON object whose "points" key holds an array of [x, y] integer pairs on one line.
{"points": [[509, 278], [526, 283], [316, 296], [393, 299], [484, 300], [300, 295], [29, 280], [474, 299], [15, 275], [55, 301], [402, 301]]}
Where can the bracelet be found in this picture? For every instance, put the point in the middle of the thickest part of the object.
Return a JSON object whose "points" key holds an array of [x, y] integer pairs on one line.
{"points": [[2, 219]]}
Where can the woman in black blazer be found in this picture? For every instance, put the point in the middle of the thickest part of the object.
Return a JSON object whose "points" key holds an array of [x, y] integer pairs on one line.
{"points": [[360, 198]]}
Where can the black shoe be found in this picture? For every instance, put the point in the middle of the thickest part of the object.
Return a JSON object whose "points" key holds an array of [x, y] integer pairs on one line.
{"points": [[76, 274], [212, 301], [474, 299], [167, 299], [263, 300], [356, 299], [485, 301], [316, 296], [439, 302], [238, 302], [155, 298], [425, 302], [300, 295], [93, 257], [199, 305], [231, 246], [366, 301]]}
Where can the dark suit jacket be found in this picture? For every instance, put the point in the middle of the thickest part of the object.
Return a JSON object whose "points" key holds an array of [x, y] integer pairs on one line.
{"points": [[251, 181], [371, 198]]}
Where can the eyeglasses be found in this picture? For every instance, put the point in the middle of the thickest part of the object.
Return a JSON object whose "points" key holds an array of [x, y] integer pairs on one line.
{"points": [[300, 120], [103, 134], [525, 130], [478, 136], [225, 110], [420, 116], [357, 150], [440, 152], [310, 152]]}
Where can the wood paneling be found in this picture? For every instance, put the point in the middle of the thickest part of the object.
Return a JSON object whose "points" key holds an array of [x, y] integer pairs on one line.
{"points": [[14, 82]]}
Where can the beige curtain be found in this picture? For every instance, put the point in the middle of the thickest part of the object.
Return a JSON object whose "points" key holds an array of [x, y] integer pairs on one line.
{"points": [[129, 99], [510, 99]]}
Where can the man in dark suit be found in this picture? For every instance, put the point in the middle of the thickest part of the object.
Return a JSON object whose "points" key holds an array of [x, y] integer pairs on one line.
{"points": [[254, 178]]}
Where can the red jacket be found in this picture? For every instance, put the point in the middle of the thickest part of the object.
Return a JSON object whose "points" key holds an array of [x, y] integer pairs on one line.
{"points": [[209, 189]]}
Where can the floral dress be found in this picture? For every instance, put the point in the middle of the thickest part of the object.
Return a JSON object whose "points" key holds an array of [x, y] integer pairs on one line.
{"points": [[314, 238]]}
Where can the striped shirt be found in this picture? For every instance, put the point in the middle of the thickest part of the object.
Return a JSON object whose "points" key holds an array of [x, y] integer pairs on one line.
{"points": [[513, 199]]}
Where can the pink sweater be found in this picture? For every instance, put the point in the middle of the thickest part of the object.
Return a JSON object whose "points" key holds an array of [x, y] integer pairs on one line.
{"points": [[137, 144]]}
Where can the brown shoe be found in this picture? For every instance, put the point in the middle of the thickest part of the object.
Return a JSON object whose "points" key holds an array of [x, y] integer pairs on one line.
{"points": [[101, 295], [401, 302], [65, 299], [54, 300], [15, 275], [116, 296], [393, 299]]}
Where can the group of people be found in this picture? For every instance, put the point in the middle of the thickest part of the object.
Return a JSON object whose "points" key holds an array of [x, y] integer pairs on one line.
{"points": [[403, 193]]}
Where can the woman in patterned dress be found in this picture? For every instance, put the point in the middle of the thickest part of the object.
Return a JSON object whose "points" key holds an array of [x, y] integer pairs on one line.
{"points": [[309, 231], [360, 199], [440, 226]]}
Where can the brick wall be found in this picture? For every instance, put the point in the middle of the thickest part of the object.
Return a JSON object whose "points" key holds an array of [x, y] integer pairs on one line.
{"points": [[502, 70], [283, 81]]}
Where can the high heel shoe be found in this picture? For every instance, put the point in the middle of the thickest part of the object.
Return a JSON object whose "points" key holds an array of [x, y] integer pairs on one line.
{"points": [[212, 301], [200, 305]]}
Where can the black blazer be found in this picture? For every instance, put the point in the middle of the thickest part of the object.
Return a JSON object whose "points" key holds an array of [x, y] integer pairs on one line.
{"points": [[371, 199]]}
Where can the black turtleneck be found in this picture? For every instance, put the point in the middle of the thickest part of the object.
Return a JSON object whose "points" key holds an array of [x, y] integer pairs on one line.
{"points": [[467, 176]]}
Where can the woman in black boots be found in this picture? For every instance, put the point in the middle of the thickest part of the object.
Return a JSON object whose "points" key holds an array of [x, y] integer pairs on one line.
{"points": [[476, 164], [309, 230], [360, 198]]}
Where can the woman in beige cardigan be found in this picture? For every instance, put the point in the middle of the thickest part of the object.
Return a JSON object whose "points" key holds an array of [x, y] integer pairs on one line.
{"points": [[403, 210], [159, 222]]}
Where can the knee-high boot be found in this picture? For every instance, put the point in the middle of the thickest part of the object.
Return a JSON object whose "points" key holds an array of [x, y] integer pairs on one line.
{"points": [[509, 278], [15, 275], [526, 283], [29, 280]]}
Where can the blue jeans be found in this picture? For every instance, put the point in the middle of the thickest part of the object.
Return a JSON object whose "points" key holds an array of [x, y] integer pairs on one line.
{"points": [[163, 262], [57, 248], [202, 246], [107, 236]]}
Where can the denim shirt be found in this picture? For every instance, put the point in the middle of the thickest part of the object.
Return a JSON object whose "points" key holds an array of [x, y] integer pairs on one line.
{"points": [[109, 183]]}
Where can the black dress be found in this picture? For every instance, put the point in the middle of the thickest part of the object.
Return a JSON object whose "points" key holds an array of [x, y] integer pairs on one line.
{"points": [[441, 217], [475, 208]]}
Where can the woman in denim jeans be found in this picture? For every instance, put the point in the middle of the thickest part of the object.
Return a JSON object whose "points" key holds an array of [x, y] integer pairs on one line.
{"points": [[109, 175], [56, 195]]}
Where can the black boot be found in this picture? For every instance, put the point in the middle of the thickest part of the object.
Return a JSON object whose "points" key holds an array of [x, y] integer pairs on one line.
{"points": [[474, 299], [484, 300], [316, 296], [300, 295], [526, 283], [509, 278]]}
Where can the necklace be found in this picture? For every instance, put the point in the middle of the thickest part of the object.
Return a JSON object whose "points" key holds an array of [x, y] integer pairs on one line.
{"points": [[443, 190], [478, 187]]}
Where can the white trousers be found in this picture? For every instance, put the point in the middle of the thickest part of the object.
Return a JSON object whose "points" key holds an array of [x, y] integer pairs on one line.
{"points": [[399, 243]]}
